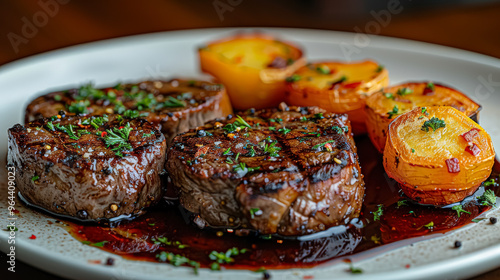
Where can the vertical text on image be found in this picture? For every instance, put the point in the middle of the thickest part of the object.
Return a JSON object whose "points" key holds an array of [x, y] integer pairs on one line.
{"points": [[11, 220]]}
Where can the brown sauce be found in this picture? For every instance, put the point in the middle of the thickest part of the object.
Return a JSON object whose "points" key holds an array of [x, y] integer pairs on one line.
{"points": [[132, 240]]}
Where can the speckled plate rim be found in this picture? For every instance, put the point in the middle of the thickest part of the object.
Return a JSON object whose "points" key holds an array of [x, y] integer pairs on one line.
{"points": [[440, 262]]}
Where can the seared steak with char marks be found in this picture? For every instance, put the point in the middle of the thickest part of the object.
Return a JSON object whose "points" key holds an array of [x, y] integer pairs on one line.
{"points": [[291, 171], [176, 105], [91, 168]]}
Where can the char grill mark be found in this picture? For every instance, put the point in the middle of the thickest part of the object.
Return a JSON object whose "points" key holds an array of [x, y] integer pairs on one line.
{"points": [[67, 166], [298, 172]]}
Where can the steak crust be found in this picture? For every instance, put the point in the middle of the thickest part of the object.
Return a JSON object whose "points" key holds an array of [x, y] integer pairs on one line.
{"points": [[76, 166], [175, 105], [291, 171]]}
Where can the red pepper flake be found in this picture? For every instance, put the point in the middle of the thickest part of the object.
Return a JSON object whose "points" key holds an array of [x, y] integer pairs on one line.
{"points": [[32, 236], [94, 261], [428, 91], [473, 150], [306, 277], [352, 85], [121, 127], [104, 133], [470, 135], [407, 266], [328, 147], [453, 165], [202, 151], [15, 211]]}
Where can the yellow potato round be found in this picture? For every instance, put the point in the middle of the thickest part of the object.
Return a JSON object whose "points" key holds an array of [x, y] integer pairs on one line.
{"points": [[384, 106], [438, 166], [252, 67], [337, 87]]}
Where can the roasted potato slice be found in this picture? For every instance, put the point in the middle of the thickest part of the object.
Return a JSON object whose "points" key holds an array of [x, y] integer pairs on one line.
{"points": [[337, 87], [253, 67], [385, 105], [438, 154]]}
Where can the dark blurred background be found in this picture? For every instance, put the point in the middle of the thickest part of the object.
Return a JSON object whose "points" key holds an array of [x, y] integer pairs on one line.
{"points": [[29, 27]]}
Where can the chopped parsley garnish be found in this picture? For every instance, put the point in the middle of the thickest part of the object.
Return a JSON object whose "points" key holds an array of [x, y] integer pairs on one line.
{"points": [[254, 211], [89, 92], [490, 182], [355, 270], [131, 114], [303, 119], [316, 134], [68, 129], [377, 214], [429, 225], [404, 91], [144, 135], [118, 137], [240, 123], [284, 130], [293, 78], [271, 149], [243, 167], [97, 244], [488, 198], [57, 97], [412, 150], [177, 260], [272, 128], [323, 69], [50, 126], [340, 80], [96, 122], [237, 156], [79, 107], [459, 210], [433, 123], [394, 111], [402, 203], [251, 152], [226, 152], [145, 101], [320, 145], [337, 129], [221, 257], [389, 95], [173, 102], [430, 86], [164, 240], [379, 68], [424, 111], [319, 116], [34, 178]]}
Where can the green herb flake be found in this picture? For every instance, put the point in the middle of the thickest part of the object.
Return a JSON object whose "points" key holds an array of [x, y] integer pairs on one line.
{"points": [[253, 212], [487, 199], [226, 152], [404, 91], [337, 129], [177, 260], [379, 68], [34, 178], [284, 130], [79, 107], [394, 112], [323, 69], [402, 203], [413, 150], [293, 78], [377, 214], [118, 137], [251, 152], [97, 244], [316, 147], [433, 123], [388, 95], [430, 86], [429, 225], [57, 97], [490, 183], [355, 270], [459, 210]]}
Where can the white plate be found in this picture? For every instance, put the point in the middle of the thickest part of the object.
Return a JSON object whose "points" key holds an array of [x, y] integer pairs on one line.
{"points": [[174, 54]]}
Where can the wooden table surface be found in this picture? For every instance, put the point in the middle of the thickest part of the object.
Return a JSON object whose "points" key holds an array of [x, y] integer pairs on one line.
{"points": [[31, 27]]}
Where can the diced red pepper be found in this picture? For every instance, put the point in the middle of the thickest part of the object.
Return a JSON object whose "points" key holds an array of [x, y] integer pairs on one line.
{"points": [[352, 85], [328, 147], [470, 135], [104, 133], [428, 91], [453, 165], [32, 236], [473, 150], [121, 127]]}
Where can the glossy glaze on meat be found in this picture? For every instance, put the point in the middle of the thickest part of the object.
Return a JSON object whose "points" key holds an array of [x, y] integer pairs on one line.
{"points": [[176, 105], [309, 182], [66, 166]]}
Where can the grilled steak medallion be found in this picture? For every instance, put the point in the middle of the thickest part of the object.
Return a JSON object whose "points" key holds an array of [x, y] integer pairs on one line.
{"points": [[291, 171], [91, 168], [176, 105]]}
